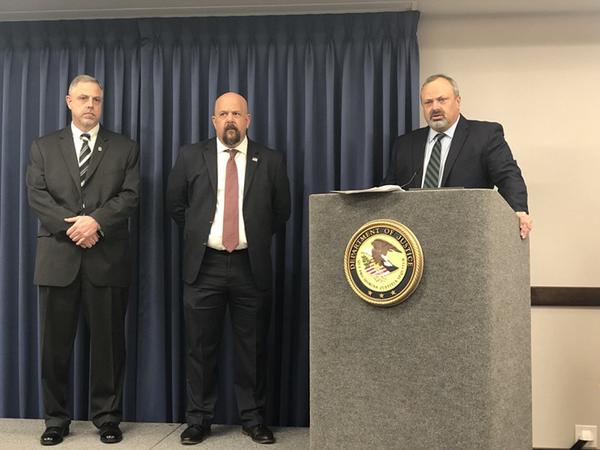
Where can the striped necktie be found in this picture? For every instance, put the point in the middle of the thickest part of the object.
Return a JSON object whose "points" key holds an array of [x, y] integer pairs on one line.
{"points": [[432, 176], [84, 157]]}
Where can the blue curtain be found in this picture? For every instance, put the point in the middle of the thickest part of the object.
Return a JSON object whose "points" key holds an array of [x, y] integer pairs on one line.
{"points": [[330, 91]]}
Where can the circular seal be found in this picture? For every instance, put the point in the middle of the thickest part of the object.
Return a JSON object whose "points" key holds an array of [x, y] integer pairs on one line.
{"points": [[383, 262]]}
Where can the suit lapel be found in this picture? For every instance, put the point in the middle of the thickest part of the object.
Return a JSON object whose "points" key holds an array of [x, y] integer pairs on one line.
{"points": [[100, 149], [418, 157], [209, 153], [70, 155], [458, 140], [252, 162]]}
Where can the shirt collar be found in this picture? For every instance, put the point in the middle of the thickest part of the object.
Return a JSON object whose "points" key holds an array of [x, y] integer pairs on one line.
{"points": [[77, 132], [242, 147], [449, 132]]}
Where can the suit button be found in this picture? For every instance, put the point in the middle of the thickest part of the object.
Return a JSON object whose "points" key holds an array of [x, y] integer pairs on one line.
{"points": [[204, 243]]}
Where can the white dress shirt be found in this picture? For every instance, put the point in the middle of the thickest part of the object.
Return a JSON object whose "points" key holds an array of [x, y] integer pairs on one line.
{"points": [[77, 141], [446, 140], [215, 237]]}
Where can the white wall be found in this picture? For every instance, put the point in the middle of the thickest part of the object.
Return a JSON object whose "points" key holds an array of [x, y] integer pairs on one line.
{"points": [[539, 75]]}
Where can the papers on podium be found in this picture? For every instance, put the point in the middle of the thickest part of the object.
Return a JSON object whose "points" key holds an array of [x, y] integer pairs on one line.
{"points": [[385, 188]]}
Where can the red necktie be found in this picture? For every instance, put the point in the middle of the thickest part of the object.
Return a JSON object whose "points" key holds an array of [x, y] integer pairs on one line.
{"points": [[231, 220]]}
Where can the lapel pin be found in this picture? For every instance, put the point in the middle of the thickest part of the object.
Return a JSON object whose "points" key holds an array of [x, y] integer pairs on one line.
{"points": [[99, 149], [255, 159]]}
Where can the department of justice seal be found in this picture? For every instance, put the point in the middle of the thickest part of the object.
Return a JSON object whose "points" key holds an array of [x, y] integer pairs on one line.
{"points": [[383, 262]]}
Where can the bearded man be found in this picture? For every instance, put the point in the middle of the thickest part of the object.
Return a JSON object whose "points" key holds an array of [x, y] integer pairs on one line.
{"points": [[229, 195], [455, 151]]}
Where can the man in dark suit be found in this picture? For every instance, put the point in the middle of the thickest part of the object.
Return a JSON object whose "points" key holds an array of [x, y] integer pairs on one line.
{"points": [[229, 195], [455, 151], [82, 183]]}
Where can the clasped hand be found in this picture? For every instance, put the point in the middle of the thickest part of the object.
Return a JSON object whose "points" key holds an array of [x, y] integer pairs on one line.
{"points": [[84, 231]]}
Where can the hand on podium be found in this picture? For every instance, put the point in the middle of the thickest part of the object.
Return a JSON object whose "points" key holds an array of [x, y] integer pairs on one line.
{"points": [[525, 224]]}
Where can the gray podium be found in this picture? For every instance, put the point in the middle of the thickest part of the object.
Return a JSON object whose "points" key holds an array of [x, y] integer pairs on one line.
{"points": [[447, 369]]}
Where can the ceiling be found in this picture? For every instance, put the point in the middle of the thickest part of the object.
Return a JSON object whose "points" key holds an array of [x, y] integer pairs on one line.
{"points": [[14, 10]]}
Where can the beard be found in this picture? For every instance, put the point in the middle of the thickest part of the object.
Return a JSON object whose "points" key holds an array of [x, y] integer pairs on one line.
{"points": [[440, 125], [231, 136]]}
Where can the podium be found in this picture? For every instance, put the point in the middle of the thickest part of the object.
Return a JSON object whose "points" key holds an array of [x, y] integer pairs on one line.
{"points": [[448, 368]]}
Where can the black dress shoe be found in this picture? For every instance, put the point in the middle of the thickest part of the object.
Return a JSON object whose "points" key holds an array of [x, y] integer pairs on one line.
{"points": [[54, 435], [110, 433], [259, 433], [194, 434]]}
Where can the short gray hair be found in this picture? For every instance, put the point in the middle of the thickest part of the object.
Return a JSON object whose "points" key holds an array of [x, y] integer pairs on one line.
{"points": [[445, 77], [84, 78]]}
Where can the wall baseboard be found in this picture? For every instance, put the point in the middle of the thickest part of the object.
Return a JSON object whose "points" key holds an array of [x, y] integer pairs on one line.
{"points": [[565, 296]]}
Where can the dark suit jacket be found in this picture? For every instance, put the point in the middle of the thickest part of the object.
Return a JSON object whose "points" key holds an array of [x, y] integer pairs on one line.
{"points": [[192, 201], [479, 157], [110, 196]]}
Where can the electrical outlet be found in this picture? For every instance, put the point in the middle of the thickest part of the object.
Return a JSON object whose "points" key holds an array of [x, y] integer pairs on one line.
{"points": [[589, 433]]}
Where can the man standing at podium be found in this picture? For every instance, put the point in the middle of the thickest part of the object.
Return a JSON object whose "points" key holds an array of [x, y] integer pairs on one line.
{"points": [[456, 151]]}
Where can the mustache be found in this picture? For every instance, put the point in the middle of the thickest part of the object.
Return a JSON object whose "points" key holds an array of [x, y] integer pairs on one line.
{"points": [[231, 126], [435, 112]]}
